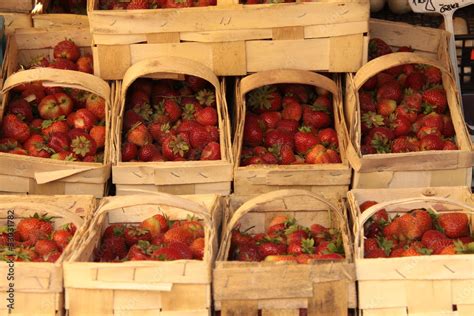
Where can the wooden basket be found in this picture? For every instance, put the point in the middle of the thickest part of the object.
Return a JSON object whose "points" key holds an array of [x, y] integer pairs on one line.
{"points": [[175, 177], [26, 174], [424, 168], [26, 44], [181, 287], [38, 286], [24, 6], [234, 39], [323, 178], [242, 288], [425, 285]]}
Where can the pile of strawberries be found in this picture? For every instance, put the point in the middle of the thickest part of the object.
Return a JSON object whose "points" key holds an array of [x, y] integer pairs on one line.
{"points": [[153, 4], [285, 240], [54, 122], [416, 233], [170, 120], [156, 238], [289, 124], [66, 56], [35, 239], [404, 108]]}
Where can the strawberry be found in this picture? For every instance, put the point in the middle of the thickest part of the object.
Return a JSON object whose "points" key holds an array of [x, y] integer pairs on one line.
{"points": [[59, 142], [7, 144], [179, 3], [21, 109], [316, 119], [248, 252], [298, 91], [385, 107], [175, 147], [278, 137], [303, 246], [289, 126], [212, 151], [329, 256], [85, 64], [379, 138], [114, 247], [36, 147], [38, 62], [390, 90], [333, 156], [454, 225], [157, 224], [63, 63], [435, 241], [147, 152], [280, 258], [432, 74], [179, 234], [64, 155], [139, 251], [380, 217], [131, 118], [83, 145], [139, 135], [270, 119], [412, 100], [98, 134], [317, 154], [435, 99], [292, 109], [62, 238], [383, 78], [405, 144], [377, 48], [84, 119], [322, 103], [34, 224], [448, 145], [198, 137], [44, 247], [133, 234], [195, 83], [14, 128], [431, 142], [159, 131], [66, 49], [18, 151], [137, 5], [304, 140], [48, 127], [137, 98], [96, 105], [129, 151], [295, 234], [404, 111], [328, 137], [366, 101], [401, 126], [142, 84], [414, 224], [415, 81], [197, 248], [448, 127], [264, 99], [271, 246], [206, 97], [172, 109]]}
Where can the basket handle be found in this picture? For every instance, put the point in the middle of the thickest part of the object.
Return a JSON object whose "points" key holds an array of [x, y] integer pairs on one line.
{"points": [[382, 63], [368, 213], [65, 78], [268, 197]]}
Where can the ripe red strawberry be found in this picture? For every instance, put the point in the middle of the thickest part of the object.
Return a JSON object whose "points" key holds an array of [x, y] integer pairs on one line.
{"points": [[138, 5], [98, 134], [83, 145], [63, 63], [289, 126], [303, 246], [212, 151], [85, 64], [179, 234], [175, 147], [207, 116], [295, 234], [179, 3], [412, 100], [269, 158], [448, 127], [139, 135], [64, 155], [415, 81], [401, 126], [378, 47], [433, 75], [431, 142], [328, 137], [130, 119], [7, 144], [316, 119], [264, 99], [115, 247], [172, 109], [414, 224], [428, 131], [139, 251], [14, 128], [66, 49], [133, 234], [137, 98], [114, 230], [197, 248], [36, 147], [195, 83], [44, 247], [159, 131], [366, 101], [271, 247], [270, 119], [405, 144], [129, 151], [292, 109], [379, 217], [435, 241], [62, 238], [96, 105], [322, 103], [304, 140], [449, 145], [34, 224], [147, 152], [298, 91], [157, 224], [317, 154], [435, 99], [390, 90], [385, 107], [454, 225], [379, 138], [84, 119], [38, 62], [383, 78], [49, 127], [278, 137], [21, 109], [59, 142]]}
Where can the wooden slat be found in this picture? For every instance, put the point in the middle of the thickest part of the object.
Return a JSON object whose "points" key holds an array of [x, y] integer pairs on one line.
{"points": [[84, 302], [329, 298], [239, 308], [431, 296], [280, 312]]}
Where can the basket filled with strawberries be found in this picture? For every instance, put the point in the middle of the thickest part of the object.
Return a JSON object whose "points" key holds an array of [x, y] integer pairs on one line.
{"points": [[145, 252], [55, 133], [289, 133], [421, 243], [404, 122], [36, 236], [284, 250], [172, 130]]}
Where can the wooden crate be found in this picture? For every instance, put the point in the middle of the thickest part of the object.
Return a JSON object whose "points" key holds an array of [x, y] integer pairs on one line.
{"points": [[175, 177], [424, 168], [322, 178], [180, 287], [38, 286], [243, 288], [425, 285], [55, 20], [24, 6], [26, 174], [234, 39]]}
